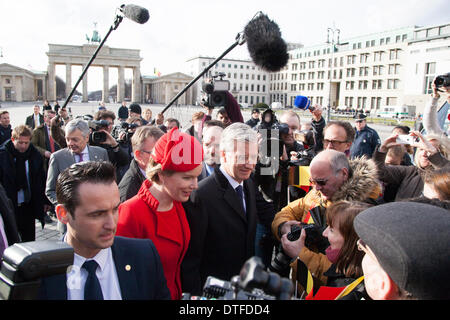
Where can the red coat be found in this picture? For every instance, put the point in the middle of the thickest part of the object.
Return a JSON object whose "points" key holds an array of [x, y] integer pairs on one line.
{"points": [[169, 231]]}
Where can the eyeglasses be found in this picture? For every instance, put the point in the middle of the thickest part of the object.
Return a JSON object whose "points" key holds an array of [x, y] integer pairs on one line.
{"points": [[320, 182], [327, 142]]}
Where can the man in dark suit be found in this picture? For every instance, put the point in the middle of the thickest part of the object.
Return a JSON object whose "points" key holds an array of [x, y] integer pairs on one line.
{"points": [[42, 138], [36, 119], [211, 145], [105, 267], [8, 228], [222, 213], [143, 141]]}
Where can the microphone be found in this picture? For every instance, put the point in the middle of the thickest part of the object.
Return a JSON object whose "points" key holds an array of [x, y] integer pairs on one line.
{"points": [[265, 45], [135, 13]]}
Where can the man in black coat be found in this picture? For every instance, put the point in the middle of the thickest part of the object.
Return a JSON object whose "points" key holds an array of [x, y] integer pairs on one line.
{"points": [[143, 141], [5, 127], [23, 177], [222, 213]]}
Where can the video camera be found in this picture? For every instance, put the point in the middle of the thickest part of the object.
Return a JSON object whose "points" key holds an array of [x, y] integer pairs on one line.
{"points": [[128, 129], [252, 283], [97, 137], [216, 91]]}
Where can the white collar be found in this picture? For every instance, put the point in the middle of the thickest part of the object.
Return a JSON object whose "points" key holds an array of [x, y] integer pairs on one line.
{"points": [[234, 183]]}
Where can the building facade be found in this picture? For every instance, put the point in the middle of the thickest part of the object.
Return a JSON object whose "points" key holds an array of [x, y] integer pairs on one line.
{"points": [[389, 68], [249, 84], [18, 84]]}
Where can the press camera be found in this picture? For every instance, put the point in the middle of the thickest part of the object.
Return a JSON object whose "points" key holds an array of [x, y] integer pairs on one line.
{"points": [[252, 283], [216, 91]]}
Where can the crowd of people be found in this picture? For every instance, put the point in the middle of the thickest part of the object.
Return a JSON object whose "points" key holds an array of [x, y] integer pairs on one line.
{"points": [[152, 209]]}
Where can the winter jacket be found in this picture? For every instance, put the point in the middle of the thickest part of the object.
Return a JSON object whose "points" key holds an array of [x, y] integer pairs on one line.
{"points": [[362, 185]]}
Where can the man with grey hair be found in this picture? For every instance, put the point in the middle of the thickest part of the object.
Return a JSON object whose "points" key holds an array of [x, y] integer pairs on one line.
{"points": [[77, 138], [222, 213]]}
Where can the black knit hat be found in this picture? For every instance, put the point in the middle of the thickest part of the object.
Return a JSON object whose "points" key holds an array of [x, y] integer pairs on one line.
{"points": [[134, 107], [411, 241], [122, 113]]}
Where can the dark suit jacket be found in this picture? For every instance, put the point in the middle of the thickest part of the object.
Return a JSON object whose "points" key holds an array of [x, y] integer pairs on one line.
{"points": [[9, 220], [204, 173], [143, 281], [30, 121], [222, 237], [131, 182]]}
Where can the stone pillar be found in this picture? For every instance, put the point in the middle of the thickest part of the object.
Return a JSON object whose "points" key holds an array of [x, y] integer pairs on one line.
{"points": [[2, 97], [68, 79], [51, 85], [136, 85], [18, 88], [105, 93], [121, 85], [85, 86]]}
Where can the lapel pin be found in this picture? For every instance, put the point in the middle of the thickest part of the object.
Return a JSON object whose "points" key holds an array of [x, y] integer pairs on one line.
{"points": [[127, 267]]}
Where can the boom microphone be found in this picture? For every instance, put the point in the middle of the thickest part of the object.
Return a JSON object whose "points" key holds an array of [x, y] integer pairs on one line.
{"points": [[135, 13], [265, 45]]}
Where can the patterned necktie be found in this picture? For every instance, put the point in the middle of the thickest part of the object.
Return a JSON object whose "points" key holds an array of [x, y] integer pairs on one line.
{"points": [[80, 157], [92, 288], [240, 192]]}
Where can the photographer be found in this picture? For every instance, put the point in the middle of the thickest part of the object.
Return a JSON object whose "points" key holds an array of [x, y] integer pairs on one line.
{"points": [[430, 121], [341, 263], [275, 186], [103, 123], [334, 178]]}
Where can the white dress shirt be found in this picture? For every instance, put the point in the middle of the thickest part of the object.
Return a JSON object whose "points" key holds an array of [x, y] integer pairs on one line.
{"points": [[85, 153], [106, 274], [234, 184]]}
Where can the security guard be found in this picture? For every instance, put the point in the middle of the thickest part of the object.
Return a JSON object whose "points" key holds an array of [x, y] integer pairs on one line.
{"points": [[366, 139]]}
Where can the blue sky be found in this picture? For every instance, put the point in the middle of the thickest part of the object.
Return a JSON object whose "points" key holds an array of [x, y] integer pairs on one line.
{"points": [[179, 30]]}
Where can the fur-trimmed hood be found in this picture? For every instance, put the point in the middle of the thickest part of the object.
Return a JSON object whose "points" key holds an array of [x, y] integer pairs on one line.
{"points": [[363, 183]]}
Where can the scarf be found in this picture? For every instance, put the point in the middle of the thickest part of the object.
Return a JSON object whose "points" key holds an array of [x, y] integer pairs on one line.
{"points": [[21, 174], [332, 254]]}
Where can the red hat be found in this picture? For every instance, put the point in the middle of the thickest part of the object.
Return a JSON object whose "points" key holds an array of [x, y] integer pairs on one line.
{"points": [[178, 151]]}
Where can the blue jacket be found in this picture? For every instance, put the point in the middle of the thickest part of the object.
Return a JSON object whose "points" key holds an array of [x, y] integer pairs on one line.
{"points": [[365, 143], [143, 281]]}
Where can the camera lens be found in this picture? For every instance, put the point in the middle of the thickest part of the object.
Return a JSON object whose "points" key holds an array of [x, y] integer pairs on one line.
{"points": [[439, 82]]}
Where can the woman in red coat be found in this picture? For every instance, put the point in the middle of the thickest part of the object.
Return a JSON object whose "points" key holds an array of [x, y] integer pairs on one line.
{"points": [[156, 212]]}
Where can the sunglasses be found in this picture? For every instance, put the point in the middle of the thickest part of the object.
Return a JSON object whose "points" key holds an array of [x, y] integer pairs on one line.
{"points": [[319, 182]]}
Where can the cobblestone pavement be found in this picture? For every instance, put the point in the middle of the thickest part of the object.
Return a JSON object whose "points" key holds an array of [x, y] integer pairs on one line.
{"points": [[48, 233]]}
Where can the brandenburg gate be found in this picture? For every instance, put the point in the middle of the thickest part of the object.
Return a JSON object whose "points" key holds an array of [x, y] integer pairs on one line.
{"points": [[70, 55]]}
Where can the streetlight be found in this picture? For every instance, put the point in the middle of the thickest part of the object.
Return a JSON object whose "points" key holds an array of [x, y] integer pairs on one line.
{"points": [[335, 33]]}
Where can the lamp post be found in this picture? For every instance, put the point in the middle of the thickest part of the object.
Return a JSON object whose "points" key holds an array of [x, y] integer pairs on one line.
{"points": [[335, 33]]}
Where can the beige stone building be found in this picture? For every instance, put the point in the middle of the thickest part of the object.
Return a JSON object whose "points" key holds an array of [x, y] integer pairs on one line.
{"points": [[18, 84], [161, 90]]}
